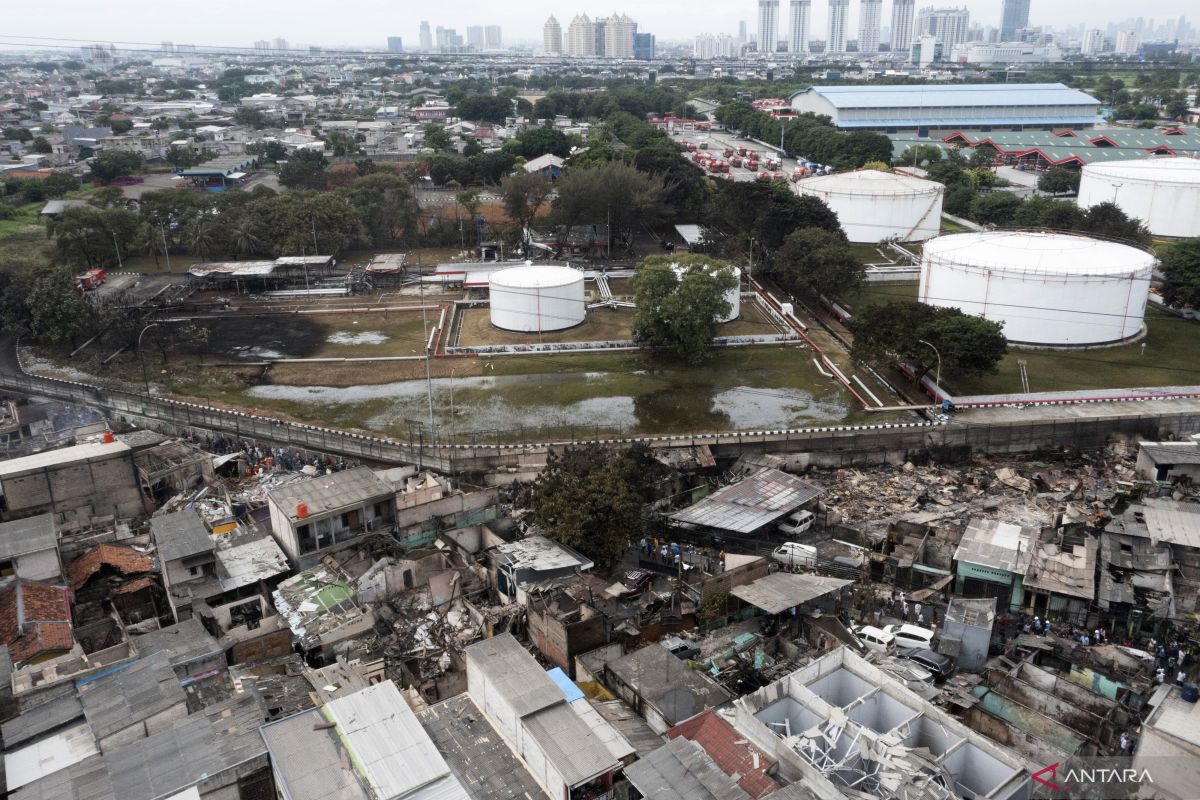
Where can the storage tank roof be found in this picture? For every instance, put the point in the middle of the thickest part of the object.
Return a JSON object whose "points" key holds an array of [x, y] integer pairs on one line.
{"points": [[1173, 169], [1029, 251], [869, 182], [529, 277]]}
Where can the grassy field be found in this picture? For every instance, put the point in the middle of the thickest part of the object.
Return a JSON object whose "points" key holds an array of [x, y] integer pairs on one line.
{"points": [[949, 226], [601, 324], [341, 335], [1168, 359], [870, 294]]}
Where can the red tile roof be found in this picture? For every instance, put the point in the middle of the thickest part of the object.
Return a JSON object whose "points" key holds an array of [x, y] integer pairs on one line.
{"points": [[125, 560], [35, 618], [729, 750]]}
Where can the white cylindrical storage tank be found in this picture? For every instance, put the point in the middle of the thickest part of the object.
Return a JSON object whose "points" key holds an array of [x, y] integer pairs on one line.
{"points": [[532, 299], [1052, 289], [733, 296], [874, 205], [1164, 193]]}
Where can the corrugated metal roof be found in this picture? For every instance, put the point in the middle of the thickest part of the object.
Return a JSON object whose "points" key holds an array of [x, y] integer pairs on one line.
{"points": [[750, 504], [1172, 521], [681, 770], [180, 534], [663, 681], [63, 455], [27, 535], [952, 95], [542, 554], [324, 493], [1070, 572], [1172, 452], [998, 545], [779, 591], [132, 694], [41, 719], [47, 756], [307, 760], [514, 674], [571, 747]]}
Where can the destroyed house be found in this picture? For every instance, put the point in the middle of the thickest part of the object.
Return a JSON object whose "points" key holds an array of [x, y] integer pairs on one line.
{"points": [[842, 725], [750, 506], [681, 770], [992, 559], [35, 621], [729, 751], [87, 480], [1136, 574], [532, 560], [1061, 577], [561, 626], [312, 516], [29, 549], [567, 755], [1177, 524], [367, 745], [661, 687], [185, 550]]}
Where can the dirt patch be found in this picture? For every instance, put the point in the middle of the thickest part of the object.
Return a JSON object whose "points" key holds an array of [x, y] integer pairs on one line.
{"points": [[602, 324]]}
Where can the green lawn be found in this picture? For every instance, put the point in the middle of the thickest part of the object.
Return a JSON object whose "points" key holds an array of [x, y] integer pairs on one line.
{"points": [[870, 294], [1169, 359], [953, 227]]}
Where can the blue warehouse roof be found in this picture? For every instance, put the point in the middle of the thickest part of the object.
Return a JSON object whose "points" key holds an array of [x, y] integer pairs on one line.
{"points": [[952, 95]]}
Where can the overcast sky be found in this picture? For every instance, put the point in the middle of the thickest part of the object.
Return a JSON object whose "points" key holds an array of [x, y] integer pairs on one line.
{"points": [[367, 22]]}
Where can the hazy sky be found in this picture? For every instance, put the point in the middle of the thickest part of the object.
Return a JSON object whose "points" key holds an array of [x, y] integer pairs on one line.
{"points": [[368, 22]]}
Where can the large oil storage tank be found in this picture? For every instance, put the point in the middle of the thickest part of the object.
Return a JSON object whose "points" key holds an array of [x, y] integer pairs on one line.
{"points": [[1051, 289], [536, 298], [733, 296], [1162, 192], [874, 205]]}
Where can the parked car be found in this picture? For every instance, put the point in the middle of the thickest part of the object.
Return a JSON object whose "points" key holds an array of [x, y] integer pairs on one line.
{"points": [[793, 554], [681, 648], [876, 639], [638, 580], [911, 636], [797, 522], [941, 666]]}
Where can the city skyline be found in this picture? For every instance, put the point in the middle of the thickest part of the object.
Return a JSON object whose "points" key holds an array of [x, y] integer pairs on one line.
{"points": [[359, 23]]}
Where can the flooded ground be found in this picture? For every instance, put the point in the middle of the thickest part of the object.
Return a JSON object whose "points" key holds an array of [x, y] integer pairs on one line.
{"points": [[763, 388]]}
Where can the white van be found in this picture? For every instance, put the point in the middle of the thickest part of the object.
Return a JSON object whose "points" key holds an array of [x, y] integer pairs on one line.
{"points": [[876, 639], [798, 522], [793, 554], [911, 636]]}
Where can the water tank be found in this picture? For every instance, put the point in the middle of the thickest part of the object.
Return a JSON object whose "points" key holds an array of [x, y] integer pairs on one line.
{"points": [[1051, 289], [1164, 193], [873, 205], [532, 299]]}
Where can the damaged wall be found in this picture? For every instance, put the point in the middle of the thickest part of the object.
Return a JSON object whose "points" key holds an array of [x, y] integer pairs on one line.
{"points": [[560, 636]]}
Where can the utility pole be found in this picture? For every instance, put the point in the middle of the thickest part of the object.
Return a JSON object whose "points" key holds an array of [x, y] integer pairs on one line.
{"points": [[938, 378], [166, 252], [117, 247], [425, 333]]}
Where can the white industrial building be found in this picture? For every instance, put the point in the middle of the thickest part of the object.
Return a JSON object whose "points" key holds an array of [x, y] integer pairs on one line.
{"points": [[1164, 193], [1048, 289], [873, 205], [1004, 106], [534, 299]]}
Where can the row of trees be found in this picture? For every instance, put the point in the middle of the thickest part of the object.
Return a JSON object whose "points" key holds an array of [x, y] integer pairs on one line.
{"points": [[809, 136]]}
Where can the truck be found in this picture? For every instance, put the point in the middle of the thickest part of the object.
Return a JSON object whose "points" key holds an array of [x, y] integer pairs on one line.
{"points": [[92, 279], [752, 164], [727, 152], [771, 163], [704, 145], [743, 152], [736, 161]]}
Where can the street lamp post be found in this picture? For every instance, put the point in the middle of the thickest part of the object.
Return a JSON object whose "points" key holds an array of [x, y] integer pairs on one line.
{"points": [[938, 377]]}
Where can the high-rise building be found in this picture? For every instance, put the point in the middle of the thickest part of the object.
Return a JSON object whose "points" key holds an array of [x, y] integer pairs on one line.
{"points": [[902, 25], [581, 37], [926, 50], [1127, 43], [1014, 16], [798, 31], [706, 46], [426, 37], [768, 26], [619, 31], [870, 16], [552, 41], [262, 47], [1094, 43], [280, 44], [395, 44], [599, 26], [475, 36], [743, 37], [947, 25], [643, 46], [839, 17], [492, 37], [168, 47]]}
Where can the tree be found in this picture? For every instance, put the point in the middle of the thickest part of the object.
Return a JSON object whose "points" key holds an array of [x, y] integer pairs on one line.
{"points": [[436, 137], [768, 212], [1107, 219], [1057, 180], [524, 195], [968, 345], [18, 134], [820, 260], [274, 151], [539, 141], [921, 155], [57, 314], [616, 194], [997, 208], [341, 143], [304, 170], [679, 302], [41, 145], [57, 184], [385, 206], [1181, 267], [958, 200], [593, 499], [113, 164], [483, 108]]}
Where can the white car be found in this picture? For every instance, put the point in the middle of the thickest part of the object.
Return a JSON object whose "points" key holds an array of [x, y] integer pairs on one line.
{"points": [[911, 636], [796, 523], [794, 554], [876, 639]]}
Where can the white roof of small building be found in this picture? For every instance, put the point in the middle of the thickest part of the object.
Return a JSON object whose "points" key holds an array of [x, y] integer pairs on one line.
{"points": [[999, 545], [542, 162], [751, 503], [540, 553], [49, 755], [63, 455]]}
